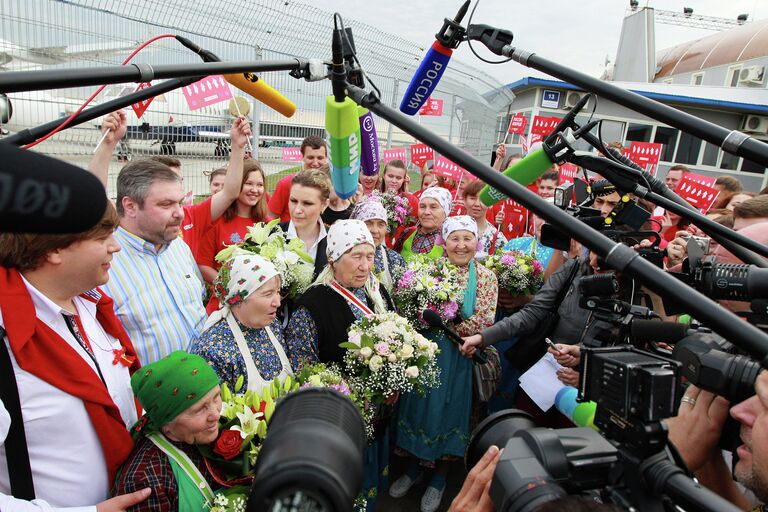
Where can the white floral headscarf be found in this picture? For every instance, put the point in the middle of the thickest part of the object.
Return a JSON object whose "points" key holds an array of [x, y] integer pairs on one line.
{"points": [[459, 223], [238, 278], [439, 194], [343, 235], [370, 209]]}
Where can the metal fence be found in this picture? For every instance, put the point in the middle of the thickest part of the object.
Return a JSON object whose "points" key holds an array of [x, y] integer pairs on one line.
{"points": [[49, 34]]}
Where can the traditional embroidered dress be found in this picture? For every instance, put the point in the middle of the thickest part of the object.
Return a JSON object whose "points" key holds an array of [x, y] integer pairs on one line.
{"points": [[218, 346], [436, 426]]}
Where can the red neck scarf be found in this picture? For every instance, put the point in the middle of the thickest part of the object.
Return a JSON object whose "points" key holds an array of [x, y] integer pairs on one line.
{"points": [[40, 351]]}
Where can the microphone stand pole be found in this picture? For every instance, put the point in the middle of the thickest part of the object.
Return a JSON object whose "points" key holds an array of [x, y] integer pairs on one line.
{"points": [[20, 81], [32, 134], [617, 256], [626, 179], [733, 141]]}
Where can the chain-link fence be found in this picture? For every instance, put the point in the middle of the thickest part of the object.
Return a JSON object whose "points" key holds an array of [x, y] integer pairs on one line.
{"points": [[49, 34]]}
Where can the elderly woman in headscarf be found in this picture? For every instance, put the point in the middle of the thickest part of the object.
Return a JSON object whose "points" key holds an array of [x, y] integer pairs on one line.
{"points": [[435, 428], [434, 208], [388, 265], [244, 337], [344, 292], [181, 398]]}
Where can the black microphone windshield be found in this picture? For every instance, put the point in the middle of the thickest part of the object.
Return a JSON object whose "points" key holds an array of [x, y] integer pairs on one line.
{"points": [[39, 194], [432, 318], [652, 330]]}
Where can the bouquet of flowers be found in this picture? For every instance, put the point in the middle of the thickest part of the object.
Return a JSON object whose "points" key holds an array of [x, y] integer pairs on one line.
{"points": [[288, 255], [428, 284], [386, 355], [242, 428], [398, 209], [328, 375], [517, 272]]}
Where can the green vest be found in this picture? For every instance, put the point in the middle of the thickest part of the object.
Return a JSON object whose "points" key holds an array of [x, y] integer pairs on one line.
{"points": [[194, 492], [407, 252]]}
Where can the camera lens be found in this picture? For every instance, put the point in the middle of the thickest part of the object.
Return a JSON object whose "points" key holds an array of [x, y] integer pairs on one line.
{"points": [[312, 457], [495, 430]]}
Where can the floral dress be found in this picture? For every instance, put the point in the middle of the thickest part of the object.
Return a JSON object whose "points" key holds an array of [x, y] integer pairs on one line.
{"points": [[217, 345], [436, 426]]}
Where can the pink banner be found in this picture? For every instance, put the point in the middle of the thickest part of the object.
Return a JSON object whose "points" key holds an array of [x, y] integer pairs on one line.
{"points": [[567, 173], [142, 106], [432, 108], [645, 154], [544, 125], [447, 169], [420, 153], [292, 154], [700, 194], [208, 91], [394, 154], [517, 124]]}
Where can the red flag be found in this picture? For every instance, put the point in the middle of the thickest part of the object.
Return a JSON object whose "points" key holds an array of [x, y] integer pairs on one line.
{"points": [[517, 124]]}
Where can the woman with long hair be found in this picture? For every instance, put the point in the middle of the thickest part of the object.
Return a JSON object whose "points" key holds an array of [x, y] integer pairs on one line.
{"points": [[249, 209]]}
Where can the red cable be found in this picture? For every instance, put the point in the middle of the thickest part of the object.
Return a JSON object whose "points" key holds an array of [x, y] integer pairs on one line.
{"points": [[80, 109]]}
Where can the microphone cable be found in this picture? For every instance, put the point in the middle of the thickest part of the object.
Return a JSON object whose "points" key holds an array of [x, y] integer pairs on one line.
{"points": [[66, 122]]}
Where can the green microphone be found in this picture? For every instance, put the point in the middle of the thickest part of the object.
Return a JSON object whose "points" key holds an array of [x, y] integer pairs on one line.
{"points": [[524, 171], [343, 126]]}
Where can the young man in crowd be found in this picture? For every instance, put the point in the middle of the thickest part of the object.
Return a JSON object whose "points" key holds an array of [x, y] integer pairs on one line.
{"points": [[65, 365], [314, 155]]}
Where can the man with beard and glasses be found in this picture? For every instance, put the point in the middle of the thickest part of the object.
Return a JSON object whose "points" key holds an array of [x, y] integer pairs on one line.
{"points": [[156, 285]]}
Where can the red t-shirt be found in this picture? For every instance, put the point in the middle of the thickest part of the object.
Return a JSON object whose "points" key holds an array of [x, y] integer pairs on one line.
{"points": [[197, 220], [278, 203]]}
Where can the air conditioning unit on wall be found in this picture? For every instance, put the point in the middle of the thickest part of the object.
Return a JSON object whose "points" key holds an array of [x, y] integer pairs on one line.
{"points": [[752, 75], [572, 98], [755, 124]]}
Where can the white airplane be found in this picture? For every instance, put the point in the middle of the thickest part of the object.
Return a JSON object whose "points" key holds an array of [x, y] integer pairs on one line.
{"points": [[166, 122]]}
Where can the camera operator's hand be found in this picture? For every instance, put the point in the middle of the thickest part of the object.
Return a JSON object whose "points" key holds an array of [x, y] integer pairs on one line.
{"points": [[677, 249], [696, 429], [470, 345], [566, 355], [568, 376], [473, 496]]}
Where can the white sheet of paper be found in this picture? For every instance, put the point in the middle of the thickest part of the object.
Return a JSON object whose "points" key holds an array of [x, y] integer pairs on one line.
{"points": [[540, 382]]}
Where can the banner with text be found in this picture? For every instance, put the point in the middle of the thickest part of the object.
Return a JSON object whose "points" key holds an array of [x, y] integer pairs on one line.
{"points": [[208, 91], [645, 154], [697, 190], [544, 125], [446, 168], [292, 154], [517, 124], [142, 106], [432, 108], [420, 153], [394, 154]]}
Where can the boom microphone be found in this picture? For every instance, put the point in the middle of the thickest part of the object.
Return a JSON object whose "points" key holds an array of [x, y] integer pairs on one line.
{"points": [[524, 171], [39, 194], [434, 320], [249, 83], [433, 66], [369, 143], [342, 123]]}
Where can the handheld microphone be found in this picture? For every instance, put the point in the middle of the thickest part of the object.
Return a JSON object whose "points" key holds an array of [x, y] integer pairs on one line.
{"points": [[369, 143], [524, 171], [342, 123], [433, 65], [434, 320], [39, 194], [249, 83], [581, 414]]}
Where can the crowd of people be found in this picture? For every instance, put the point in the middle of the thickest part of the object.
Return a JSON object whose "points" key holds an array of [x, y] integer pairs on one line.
{"points": [[116, 341]]}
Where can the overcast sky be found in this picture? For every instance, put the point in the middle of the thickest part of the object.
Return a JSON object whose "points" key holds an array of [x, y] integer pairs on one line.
{"points": [[577, 33]]}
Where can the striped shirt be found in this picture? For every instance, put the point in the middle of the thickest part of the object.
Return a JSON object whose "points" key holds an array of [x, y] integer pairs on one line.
{"points": [[158, 295]]}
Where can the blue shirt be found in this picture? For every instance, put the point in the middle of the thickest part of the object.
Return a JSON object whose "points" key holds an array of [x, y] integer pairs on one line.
{"points": [[158, 295]]}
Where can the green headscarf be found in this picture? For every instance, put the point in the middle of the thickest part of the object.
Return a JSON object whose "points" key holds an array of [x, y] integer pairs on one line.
{"points": [[170, 386]]}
